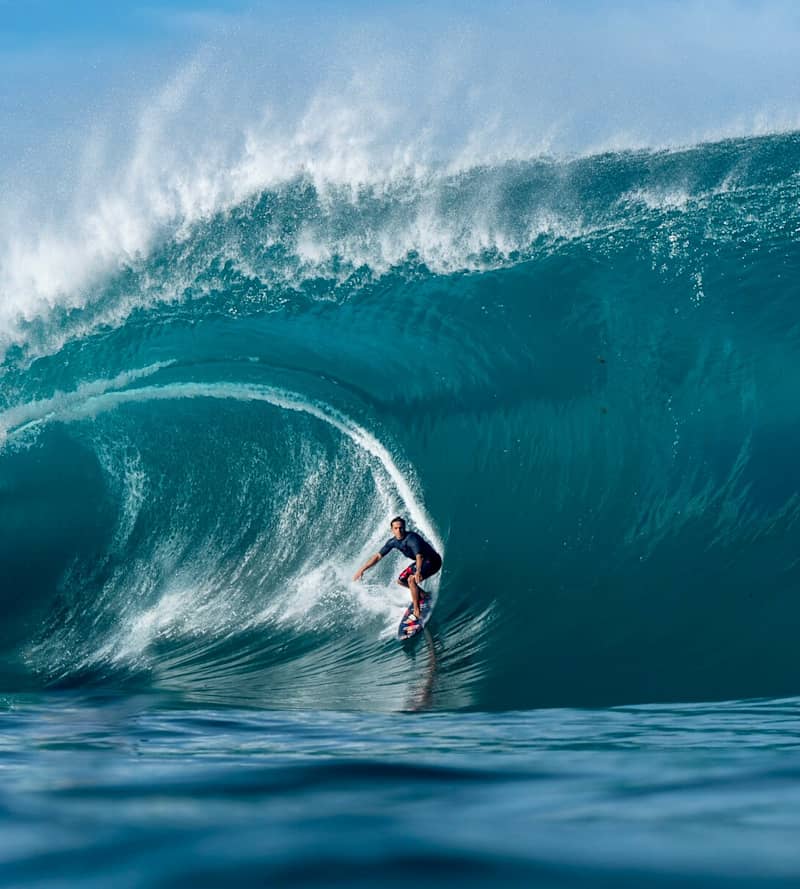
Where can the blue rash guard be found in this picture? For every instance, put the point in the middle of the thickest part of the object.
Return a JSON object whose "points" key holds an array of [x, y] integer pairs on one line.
{"points": [[410, 546]]}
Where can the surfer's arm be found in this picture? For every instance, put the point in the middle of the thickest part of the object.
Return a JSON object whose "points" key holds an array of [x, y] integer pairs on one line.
{"points": [[419, 560], [368, 564]]}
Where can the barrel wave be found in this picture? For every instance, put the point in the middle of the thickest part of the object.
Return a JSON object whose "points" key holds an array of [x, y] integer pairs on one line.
{"points": [[577, 377]]}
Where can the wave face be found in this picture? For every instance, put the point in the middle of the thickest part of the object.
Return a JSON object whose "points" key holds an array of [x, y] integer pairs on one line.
{"points": [[578, 378]]}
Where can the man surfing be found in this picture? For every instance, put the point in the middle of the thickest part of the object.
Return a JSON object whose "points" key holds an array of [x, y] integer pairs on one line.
{"points": [[414, 546]]}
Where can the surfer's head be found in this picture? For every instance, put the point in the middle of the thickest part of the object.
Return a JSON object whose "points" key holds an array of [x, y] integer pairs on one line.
{"points": [[398, 526]]}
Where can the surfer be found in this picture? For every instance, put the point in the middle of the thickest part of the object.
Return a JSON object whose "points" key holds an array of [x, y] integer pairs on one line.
{"points": [[414, 546]]}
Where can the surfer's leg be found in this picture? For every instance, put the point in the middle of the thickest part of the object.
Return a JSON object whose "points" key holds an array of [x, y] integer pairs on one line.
{"points": [[412, 585], [407, 579], [404, 575]]}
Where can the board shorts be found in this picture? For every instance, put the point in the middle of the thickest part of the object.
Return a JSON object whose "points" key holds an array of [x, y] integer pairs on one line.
{"points": [[429, 568]]}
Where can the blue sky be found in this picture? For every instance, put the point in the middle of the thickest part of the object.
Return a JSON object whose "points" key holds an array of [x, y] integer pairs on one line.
{"points": [[31, 23], [564, 76]]}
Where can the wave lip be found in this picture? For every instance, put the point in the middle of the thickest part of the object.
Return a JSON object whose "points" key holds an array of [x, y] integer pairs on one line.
{"points": [[304, 238]]}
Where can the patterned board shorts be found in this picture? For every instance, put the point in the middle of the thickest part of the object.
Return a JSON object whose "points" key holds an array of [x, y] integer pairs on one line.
{"points": [[429, 568]]}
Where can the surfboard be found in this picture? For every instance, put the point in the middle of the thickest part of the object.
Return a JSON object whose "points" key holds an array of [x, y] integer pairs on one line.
{"points": [[410, 625]]}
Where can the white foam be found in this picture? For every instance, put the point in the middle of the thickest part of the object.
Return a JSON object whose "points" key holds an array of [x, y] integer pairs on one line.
{"points": [[124, 468], [659, 199]]}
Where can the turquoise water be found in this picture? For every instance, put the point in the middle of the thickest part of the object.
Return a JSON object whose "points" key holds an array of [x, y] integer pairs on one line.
{"points": [[576, 377]]}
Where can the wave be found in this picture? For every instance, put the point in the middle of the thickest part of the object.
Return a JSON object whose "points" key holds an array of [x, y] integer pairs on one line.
{"points": [[575, 377]]}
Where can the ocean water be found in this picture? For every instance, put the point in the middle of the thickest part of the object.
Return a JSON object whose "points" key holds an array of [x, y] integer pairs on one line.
{"points": [[134, 792], [576, 376]]}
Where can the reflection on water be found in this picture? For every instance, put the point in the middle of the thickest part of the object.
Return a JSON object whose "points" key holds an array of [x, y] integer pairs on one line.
{"points": [[421, 696]]}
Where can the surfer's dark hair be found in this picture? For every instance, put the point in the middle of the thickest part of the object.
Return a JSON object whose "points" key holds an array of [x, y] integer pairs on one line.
{"points": [[398, 518]]}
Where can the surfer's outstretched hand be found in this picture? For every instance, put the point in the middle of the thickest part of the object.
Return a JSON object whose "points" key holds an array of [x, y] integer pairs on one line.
{"points": [[358, 575]]}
